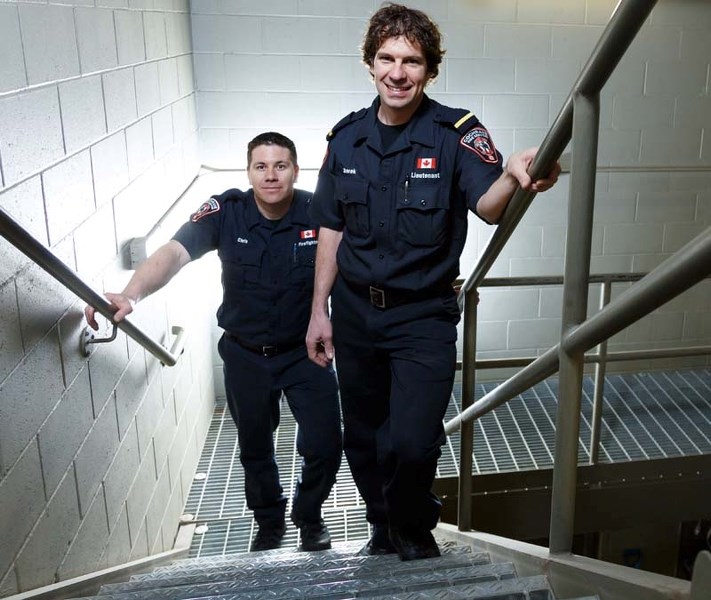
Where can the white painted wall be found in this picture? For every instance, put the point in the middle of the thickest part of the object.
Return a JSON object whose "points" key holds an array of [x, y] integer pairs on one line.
{"points": [[294, 66], [98, 136]]}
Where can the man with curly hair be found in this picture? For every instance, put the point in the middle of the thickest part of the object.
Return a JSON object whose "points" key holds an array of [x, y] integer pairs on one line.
{"points": [[392, 200]]}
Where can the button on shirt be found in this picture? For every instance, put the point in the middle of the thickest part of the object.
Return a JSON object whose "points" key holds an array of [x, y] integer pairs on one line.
{"points": [[403, 209], [267, 266]]}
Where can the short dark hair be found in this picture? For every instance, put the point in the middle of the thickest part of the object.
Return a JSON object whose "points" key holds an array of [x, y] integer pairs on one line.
{"points": [[395, 20], [270, 138]]}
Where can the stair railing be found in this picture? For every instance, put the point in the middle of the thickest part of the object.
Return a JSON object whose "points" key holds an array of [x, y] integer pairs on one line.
{"points": [[579, 119], [601, 357], [28, 245]]}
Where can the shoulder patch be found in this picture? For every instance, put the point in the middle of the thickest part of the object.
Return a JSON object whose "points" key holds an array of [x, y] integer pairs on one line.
{"points": [[479, 141], [206, 208], [349, 118]]}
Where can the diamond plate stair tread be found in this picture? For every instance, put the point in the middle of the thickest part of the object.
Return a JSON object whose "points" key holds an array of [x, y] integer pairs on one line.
{"points": [[525, 588], [347, 568], [296, 586], [357, 568], [301, 562], [275, 558]]}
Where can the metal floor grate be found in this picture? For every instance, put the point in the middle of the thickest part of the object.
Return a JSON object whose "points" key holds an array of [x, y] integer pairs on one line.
{"points": [[646, 416]]}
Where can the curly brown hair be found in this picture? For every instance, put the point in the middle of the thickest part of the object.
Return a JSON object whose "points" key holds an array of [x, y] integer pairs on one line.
{"points": [[395, 20]]}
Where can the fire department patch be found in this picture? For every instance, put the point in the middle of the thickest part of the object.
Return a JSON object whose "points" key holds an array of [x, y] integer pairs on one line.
{"points": [[207, 208], [478, 141]]}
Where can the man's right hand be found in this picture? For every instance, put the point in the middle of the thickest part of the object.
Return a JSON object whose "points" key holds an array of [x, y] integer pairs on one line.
{"points": [[319, 339], [123, 304]]}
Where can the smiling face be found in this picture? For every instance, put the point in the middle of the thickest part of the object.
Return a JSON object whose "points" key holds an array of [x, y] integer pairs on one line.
{"points": [[400, 73], [272, 174]]}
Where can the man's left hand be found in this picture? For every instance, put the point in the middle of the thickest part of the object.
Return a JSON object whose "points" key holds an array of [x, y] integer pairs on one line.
{"points": [[518, 164]]}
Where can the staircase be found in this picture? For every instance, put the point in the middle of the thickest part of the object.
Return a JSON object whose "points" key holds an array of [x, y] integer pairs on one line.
{"points": [[338, 573]]}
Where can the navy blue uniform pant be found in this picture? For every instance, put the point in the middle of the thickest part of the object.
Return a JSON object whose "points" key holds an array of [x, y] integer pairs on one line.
{"points": [[254, 385], [395, 371]]}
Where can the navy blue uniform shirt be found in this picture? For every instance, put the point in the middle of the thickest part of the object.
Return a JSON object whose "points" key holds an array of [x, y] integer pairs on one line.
{"points": [[267, 267], [403, 210]]}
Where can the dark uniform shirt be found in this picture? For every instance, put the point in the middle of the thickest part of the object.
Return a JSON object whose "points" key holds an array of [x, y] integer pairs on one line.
{"points": [[403, 209], [267, 266]]}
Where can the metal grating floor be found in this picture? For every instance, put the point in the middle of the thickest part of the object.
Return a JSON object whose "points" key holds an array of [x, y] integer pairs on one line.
{"points": [[646, 416]]}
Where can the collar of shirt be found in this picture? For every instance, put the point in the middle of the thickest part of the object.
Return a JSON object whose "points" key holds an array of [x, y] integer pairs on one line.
{"points": [[420, 128], [298, 211]]}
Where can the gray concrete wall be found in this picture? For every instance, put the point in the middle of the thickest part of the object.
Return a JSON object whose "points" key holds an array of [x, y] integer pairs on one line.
{"points": [[98, 137]]}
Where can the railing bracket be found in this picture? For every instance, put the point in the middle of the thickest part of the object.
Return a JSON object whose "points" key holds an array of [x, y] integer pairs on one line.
{"points": [[88, 337]]}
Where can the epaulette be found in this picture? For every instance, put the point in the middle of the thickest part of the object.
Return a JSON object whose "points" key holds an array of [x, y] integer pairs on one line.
{"points": [[462, 120], [233, 194], [354, 116]]}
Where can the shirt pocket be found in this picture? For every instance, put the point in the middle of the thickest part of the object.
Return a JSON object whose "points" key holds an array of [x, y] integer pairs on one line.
{"points": [[303, 262], [240, 265], [352, 195], [423, 213]]}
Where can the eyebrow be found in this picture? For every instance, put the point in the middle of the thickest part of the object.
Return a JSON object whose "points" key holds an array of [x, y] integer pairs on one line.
{"points": [[415, 57]]}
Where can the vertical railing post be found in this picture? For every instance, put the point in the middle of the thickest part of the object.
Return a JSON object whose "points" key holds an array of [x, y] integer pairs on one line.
{"points": [[466, 435], [600, 370], [586, 117]]}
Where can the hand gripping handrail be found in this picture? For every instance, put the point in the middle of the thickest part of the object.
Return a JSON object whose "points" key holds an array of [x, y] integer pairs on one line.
{"points": [[626, 21], [28, 245]]}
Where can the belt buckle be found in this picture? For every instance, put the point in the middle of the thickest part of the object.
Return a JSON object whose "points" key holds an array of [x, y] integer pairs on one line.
{"points": [[269, 351], [377, 297]]}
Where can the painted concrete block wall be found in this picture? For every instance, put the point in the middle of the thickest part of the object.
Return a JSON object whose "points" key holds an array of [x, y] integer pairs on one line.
{"points": [[98, 137], [293, 65]]}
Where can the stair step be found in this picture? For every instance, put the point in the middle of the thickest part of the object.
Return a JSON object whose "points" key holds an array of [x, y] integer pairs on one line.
{"points": [[335, 586], [351, 567], [272, 561], [524, 588], [285, 555], [297, 562], [527, 588]]}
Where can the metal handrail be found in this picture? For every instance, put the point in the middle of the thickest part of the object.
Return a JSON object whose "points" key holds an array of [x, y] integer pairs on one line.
{"points": [[656, 288], [628, 18], [605, 280], [580, 116], [28, 245]]}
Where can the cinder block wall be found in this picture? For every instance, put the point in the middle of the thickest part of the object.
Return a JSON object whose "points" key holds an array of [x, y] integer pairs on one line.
{"points": [[98, 137], [294, 66]]}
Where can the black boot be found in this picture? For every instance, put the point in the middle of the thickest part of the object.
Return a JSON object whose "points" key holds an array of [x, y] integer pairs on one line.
{"points": [[268, 537], [379, 543], [315, 536], [413, 544]]}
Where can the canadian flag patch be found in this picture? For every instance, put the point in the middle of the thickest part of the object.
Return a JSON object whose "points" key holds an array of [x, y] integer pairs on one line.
{"points": [[308, 234], [426, 163]]}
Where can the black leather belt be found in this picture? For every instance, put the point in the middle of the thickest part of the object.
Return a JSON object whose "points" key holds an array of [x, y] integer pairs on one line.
{"points": [[385, 298], [268, 350]]}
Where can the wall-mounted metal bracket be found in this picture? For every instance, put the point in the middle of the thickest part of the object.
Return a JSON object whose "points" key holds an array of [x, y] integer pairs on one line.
{"points": [[88, 337]]}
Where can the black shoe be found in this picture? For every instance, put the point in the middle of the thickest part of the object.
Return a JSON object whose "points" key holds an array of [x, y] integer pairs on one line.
{"points": [[413, 544], [268, 537], [315, 536], [379, 543]]}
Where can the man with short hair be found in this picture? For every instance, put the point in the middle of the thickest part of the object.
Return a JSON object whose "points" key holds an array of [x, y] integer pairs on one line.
{"points": [[392, 200], [267, 245]]}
